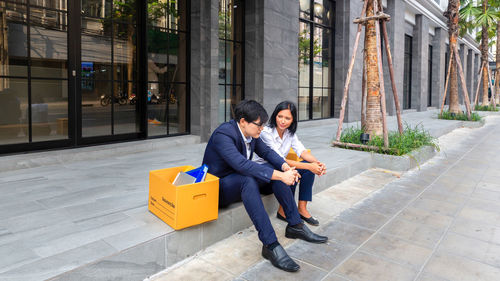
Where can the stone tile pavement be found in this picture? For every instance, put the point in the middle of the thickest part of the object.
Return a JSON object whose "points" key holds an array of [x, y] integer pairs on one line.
{"points": [[81, 214], [439, 222]]}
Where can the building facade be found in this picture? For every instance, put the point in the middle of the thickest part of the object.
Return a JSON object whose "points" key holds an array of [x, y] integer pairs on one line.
{"points": [[75, 73]]}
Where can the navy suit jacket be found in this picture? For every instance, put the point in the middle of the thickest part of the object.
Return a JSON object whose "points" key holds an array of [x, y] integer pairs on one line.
{"points": [[226, 154]]}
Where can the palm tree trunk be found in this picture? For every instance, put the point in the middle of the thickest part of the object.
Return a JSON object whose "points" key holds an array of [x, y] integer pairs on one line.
{"points": [[452, 15], [484, 55], [373, 113]]}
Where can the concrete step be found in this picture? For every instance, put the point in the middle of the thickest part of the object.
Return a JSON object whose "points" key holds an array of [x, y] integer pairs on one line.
{"points": [[64, 156]]}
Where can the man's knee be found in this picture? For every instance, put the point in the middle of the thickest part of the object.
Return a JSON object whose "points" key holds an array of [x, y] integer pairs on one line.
{"points": [[249, 183]]}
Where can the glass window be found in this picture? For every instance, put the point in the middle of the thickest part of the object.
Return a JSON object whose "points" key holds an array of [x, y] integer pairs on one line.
{"points": [[231, 50], [109, 63], [49, 109], [14, 107], [315, 53], [167, 67], [33, 71]]}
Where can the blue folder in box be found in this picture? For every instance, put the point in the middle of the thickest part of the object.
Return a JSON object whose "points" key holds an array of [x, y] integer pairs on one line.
{"points": [[199, 173]]}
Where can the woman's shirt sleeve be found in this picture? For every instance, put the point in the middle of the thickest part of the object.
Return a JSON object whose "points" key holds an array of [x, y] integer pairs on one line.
{"points": [[297, 145]]}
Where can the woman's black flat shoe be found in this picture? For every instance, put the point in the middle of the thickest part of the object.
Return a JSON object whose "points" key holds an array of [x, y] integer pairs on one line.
{"points": [[280, 217], [310, 220]]}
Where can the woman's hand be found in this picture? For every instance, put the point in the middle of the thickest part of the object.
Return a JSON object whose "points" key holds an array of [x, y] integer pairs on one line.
{"points": [[316, 168], [323, 168]]}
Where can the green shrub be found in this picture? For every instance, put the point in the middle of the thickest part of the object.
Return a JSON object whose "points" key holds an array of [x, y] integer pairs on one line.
{"points": [[411, 139], [446, 115], [485, 108]]}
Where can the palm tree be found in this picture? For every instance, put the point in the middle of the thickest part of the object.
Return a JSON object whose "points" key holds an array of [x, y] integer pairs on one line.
{"points": [[496, 5], [497, 73], [373, 122], [485, 16], [452, 15], [484, 53]]}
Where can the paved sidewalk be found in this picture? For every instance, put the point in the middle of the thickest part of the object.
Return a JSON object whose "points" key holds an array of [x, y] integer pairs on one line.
{"points": [[81, 214], [439, 222]]}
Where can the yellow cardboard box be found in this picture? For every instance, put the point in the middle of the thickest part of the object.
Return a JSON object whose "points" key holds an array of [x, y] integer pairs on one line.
{"points": [[185, 205], [293, 156]]}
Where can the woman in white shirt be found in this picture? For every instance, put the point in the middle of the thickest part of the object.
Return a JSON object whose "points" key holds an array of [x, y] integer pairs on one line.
{"points": [[280, 135]]}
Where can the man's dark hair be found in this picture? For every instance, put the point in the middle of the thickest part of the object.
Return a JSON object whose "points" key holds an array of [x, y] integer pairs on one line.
{"points": [[282, 106], [250, 110]]}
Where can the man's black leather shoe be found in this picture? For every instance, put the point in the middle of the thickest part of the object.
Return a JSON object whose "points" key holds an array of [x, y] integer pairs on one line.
{"points": [[304, 233], [279, 258]]}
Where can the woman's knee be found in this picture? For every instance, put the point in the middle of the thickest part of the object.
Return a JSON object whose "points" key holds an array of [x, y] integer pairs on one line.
{"points": [[308, 174]]}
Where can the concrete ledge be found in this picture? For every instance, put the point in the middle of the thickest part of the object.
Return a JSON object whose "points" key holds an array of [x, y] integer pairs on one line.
{"points": [[37, 159], [474, 124], [405, 162]]}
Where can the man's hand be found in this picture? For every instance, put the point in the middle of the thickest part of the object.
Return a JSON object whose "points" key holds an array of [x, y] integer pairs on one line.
{"points": [[289, 177]]}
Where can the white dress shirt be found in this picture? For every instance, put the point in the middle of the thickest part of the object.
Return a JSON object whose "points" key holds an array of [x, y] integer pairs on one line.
{"points": [[281, 146], [246, 140]]}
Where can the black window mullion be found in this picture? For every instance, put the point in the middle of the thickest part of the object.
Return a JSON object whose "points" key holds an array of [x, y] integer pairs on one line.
{"points": [[74, 64], [311, 62], [28, 41], [142, 63], [411, 66], [167, 118], [112, 72], [429, 77], [225, 59]]}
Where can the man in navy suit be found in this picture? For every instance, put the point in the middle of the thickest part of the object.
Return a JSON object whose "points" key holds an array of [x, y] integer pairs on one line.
{"points": [[228, 156]]}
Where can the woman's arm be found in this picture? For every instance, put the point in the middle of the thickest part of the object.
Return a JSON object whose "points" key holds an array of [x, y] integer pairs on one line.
{"points": [[298, 165], [314, 165], [306, 155]]}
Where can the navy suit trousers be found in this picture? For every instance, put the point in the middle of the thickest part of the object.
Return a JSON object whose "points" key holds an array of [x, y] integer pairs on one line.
{"points": [[237, 187]]}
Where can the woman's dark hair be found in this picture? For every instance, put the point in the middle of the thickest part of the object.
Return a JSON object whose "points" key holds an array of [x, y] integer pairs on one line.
{"points": [[250, 110], [282, 106]]}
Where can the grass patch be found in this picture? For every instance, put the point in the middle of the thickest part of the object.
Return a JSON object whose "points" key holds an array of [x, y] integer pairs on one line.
{"points": [[446, 115], [412, 138], [485, 108]]}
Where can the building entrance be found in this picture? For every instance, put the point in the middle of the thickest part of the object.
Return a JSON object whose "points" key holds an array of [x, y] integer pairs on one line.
{"points": [[92, 71]]}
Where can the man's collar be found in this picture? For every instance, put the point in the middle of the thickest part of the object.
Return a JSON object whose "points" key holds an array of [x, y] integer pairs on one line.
{"points": [[245, 139]]}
